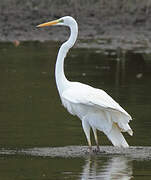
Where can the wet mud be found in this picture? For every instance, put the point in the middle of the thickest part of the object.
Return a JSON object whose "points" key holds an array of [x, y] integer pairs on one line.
{"points": [[134, 152], [102, 24]]}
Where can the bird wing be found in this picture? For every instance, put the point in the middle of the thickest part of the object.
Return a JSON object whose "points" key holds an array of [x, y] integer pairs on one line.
{"points": [[87, 95]]}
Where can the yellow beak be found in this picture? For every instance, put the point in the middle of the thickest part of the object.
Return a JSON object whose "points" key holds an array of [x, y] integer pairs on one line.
{"points": [[48, 23]]}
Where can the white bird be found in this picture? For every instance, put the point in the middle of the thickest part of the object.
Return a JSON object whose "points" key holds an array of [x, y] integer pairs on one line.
{"points": [[95, 108]]}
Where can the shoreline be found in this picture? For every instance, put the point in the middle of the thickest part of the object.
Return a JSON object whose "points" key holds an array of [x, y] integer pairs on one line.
{"points": [[101, 24], [133, 152]]}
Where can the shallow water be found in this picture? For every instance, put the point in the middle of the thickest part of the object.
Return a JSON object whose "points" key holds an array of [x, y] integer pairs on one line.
{"points": [[32, 115]]}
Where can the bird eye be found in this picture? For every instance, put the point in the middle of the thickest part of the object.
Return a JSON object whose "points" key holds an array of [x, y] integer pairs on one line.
{"points": [[61, 20]]}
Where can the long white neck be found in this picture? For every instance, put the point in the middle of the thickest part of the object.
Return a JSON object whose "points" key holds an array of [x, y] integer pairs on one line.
{"points": [[61, 80]]}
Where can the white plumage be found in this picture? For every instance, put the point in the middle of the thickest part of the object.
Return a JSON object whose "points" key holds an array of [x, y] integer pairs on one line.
{"points": [[98, 110], [95, 108]]}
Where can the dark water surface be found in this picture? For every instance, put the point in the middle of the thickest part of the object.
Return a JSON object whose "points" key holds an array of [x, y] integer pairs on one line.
{"points": [[31, 114]]}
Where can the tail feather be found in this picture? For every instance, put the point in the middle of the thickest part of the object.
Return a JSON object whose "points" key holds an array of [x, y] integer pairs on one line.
{"points": [[116, 137], [130, 132], [125, 128]]}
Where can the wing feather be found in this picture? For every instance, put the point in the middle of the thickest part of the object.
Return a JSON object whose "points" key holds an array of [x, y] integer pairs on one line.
{"points": [[87, 95]]}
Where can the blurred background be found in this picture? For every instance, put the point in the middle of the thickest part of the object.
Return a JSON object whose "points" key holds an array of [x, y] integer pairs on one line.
{"points": [[124, 19]]}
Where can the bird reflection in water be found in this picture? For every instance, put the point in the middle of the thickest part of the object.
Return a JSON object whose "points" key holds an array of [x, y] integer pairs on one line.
{"points": [[115, 168]]}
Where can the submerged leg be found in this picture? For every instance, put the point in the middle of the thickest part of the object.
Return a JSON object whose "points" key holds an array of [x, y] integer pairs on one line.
{"points": [[86, 128], [96, 139]]}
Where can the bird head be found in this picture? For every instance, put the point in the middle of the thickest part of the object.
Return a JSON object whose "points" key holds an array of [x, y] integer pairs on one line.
{"points": [[65, 21]]}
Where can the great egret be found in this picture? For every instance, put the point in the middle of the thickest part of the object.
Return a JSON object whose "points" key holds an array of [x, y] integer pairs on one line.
{"points": [[95, 108]]}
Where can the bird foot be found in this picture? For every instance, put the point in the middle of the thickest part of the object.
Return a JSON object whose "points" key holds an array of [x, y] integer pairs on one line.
{"points": [[96, 151]]}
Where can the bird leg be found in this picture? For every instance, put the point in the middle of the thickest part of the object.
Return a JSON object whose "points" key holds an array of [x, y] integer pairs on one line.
{"points": [[86, 128], [96, 139]]}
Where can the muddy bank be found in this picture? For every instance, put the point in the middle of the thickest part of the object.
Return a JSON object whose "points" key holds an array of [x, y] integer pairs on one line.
{"points": [[101, 23], [134, 152]]}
